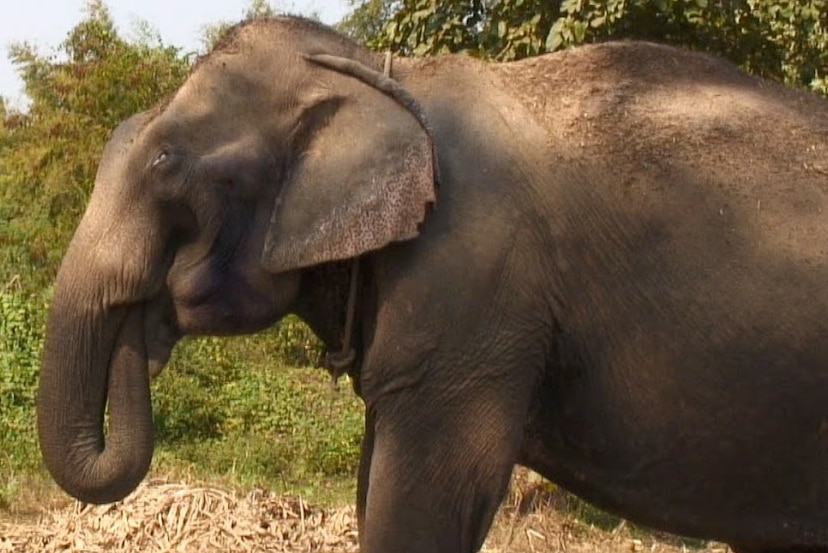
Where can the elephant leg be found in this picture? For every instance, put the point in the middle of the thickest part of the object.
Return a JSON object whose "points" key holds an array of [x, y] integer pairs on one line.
{"points": [[439, 470], [364, 473]]}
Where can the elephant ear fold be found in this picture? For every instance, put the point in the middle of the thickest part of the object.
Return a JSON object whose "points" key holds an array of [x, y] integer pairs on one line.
{"points": [[363, 174]]}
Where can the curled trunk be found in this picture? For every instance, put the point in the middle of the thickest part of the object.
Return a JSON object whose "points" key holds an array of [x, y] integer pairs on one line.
{"points": [[92, 355]]}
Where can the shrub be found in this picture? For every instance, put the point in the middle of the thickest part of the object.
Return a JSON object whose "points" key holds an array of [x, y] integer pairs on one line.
{"points": [[21, 341], [229, 407]]}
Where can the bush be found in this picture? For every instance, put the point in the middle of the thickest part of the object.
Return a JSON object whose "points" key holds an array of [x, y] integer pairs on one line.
{"points": [[292, 342], [21, 341], [229, 407]]}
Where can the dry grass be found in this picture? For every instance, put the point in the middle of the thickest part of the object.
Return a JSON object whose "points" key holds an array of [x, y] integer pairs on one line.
{"points": [[167, 517], [539, 518], [162, 516]]}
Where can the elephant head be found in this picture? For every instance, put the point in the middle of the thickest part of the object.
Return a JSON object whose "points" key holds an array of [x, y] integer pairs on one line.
{"points": [[285, 149]]}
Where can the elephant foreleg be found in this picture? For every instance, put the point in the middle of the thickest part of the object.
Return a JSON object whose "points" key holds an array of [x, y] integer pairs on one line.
{"points": [[439, 470], [364, 473]]}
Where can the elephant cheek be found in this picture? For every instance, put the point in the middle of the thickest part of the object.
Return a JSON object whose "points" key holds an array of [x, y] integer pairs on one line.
{"points": [[237, 304]]}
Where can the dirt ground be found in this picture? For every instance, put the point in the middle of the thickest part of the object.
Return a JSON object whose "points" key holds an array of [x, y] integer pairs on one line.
{"points": [[165, 517]]}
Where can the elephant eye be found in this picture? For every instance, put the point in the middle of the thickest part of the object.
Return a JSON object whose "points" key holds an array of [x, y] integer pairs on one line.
{"points": [[161, 158]]}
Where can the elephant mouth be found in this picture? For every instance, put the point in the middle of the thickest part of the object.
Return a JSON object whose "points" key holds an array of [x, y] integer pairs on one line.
{"points": [[161, 333]]}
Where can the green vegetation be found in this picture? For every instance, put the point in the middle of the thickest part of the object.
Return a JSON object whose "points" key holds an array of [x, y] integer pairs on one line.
{"points": [[21, 336], [49, 155], [228, 408], [223, 410]]}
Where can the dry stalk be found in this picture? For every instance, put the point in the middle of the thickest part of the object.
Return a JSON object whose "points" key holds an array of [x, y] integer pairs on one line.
{"points": [[176, 518], [168, 517]]}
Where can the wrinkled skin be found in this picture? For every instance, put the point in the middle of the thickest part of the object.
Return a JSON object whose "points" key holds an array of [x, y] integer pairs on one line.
{"points": [[621, 283]]}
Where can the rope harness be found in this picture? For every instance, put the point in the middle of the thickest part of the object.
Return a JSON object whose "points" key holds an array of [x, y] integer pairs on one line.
{"points": [[339, 362]]}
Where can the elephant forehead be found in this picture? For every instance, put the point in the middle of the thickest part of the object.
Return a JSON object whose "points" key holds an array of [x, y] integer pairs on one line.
{"points": [[224, 81], [190, 102], [208, 92]]}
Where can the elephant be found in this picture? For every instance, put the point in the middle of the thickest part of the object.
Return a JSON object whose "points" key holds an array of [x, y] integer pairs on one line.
{"points": [[608, 264]]}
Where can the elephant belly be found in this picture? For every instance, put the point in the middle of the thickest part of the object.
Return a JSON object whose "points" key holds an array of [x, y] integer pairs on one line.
{"points": [[733, 473]]}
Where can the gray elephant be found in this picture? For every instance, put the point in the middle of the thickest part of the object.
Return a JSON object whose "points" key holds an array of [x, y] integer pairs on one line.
{"points": [[609, 264]]}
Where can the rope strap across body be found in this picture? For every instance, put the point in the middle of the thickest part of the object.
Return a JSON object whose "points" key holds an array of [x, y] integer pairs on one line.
{"points": [[339, 362]]}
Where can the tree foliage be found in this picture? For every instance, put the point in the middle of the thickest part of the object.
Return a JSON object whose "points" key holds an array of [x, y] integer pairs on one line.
{"points": [[366, 20], [785, 40], [505, 30], [49, 155]]}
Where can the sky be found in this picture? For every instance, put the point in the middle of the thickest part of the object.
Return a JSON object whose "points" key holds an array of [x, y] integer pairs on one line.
{"points": [[45, 23]]}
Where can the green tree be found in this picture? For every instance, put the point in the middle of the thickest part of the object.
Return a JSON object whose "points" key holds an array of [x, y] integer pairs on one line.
{"points": [[49, 155], [367, 19], [503, 29]]}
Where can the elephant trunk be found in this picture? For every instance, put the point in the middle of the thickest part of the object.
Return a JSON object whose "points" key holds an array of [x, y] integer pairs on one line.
{"points": [[93, 354]]}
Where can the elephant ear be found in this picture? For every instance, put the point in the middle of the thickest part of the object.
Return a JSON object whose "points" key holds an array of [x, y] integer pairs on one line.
{"points": [[364, 178]]}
